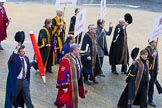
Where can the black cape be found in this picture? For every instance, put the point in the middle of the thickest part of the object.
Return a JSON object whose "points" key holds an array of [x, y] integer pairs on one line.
{"points": [[119, 47]]}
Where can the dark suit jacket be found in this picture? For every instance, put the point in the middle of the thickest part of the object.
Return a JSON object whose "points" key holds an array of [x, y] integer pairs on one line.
{"points": [[14, 66]]}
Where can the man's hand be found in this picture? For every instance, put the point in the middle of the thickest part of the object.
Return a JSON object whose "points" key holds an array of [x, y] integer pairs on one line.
{"points": [[154, 54], [110, 24], [48, 44], [126, 24], [62, 52], [89, 57], [17, 48], [65, 90]]}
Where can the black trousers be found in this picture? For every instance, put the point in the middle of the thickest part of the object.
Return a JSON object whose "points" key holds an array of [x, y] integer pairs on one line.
{"points": [[101, 60], [123, 68], [151, 86], [88, 77], [23, 85], [142, 94], [49, 62]]}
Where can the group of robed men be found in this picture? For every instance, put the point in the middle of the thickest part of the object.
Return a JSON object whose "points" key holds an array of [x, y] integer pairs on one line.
{"points": [[94, 46]]}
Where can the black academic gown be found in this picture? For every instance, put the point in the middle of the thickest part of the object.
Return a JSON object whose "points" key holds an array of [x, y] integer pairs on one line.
{"points": [[72, 28], [137, 85], [45, 37], [92, 66], [118, 53]]}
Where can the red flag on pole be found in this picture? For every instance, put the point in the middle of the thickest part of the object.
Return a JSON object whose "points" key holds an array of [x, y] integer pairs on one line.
{"points": [[38, 56]]}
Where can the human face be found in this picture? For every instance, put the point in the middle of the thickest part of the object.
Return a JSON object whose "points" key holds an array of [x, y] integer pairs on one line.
{"points": [[154, 44], [93, 29], [102, 25], [59, 13], [76, 52], [72, 40], [50, 24], [22, 52], [1, 4], [122, 23], [144, 56]]}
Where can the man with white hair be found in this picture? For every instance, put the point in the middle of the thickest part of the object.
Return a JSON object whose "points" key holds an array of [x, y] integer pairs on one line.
{"points": [[4, 22], [58, 32], [119, 49], [90, 58], [69, 80]]}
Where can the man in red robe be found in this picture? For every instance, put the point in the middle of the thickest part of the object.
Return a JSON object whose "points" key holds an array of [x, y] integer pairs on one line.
{"points": [[69, 80], [4, 22]]}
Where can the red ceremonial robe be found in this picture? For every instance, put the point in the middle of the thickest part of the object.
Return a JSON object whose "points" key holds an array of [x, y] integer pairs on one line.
{"points": [[3, 24], [68, 78]]}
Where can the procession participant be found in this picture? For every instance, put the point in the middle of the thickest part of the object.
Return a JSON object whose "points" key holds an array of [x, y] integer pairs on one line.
{"points": [[90, 60], [66, 48], [45, 44], [4, 22], [119, 49], [153, 69], [135, 92], [101, 39], [58, 32], [72, 27], [69, 80], [17, 86]]}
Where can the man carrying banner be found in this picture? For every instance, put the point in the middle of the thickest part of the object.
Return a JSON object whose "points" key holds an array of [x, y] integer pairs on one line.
{"points": [[72, 27], [4, 22], [58, 32], [153, 69], [69, 80], [89, 56]]}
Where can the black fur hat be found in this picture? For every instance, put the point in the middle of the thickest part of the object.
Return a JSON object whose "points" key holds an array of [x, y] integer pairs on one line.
{"points": [[128, 18], [20, 36], [134, 53]]}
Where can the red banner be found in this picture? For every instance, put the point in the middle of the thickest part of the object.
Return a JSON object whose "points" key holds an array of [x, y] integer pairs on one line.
{"points": [[38, 56]]}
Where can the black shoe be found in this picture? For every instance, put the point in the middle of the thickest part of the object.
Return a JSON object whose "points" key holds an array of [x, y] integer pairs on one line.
{"points": [[94, 81], [101, 75], [115, 72], [124, 72], [1, 48], [129, 106], [49, 71], [87, 82], [152, 104]]}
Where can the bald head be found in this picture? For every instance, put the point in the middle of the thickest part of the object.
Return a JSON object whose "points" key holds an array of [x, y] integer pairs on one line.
{"points": [[59, 12], [121, 21]]}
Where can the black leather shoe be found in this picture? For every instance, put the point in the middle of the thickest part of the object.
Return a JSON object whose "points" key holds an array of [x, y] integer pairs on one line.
{"points": [[152, 104], [94, 81], [87, 82], [124, 72], [115, 72], [101, 75], [49, 71], [129, 106], [1, 48]]}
